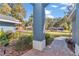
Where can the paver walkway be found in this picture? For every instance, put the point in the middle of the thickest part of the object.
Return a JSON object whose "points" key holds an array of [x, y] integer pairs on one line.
{"points": [[57, 48]]}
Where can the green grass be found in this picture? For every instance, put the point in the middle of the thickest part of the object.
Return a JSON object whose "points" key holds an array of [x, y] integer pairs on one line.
{"points": [[54, 33], [59, 33]]}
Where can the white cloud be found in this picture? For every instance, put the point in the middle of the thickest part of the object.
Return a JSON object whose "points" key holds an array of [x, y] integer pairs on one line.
{"points": [[47, 12], [63, 8], [55, 6], [49, 16]]}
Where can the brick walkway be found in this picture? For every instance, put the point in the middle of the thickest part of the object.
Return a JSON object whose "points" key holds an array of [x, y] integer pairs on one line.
{"points": [[57, 48]]}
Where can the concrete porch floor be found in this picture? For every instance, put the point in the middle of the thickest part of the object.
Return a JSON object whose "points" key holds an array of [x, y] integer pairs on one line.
{"points": [[57, 48]]}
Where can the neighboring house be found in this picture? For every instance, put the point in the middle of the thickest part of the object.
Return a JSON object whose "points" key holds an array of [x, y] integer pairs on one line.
{"points": [[8, 23]]}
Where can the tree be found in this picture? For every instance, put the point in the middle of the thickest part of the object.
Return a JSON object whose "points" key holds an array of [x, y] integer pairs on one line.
{"points": [[48, 23], [18, 11], [26, 23], [58, 22], [5, 9], [13, 9], [30, 20], [63, 23]]}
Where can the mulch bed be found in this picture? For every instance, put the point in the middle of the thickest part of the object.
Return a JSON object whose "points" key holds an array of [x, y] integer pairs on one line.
{"points": [[71, 45], [10, 51]]}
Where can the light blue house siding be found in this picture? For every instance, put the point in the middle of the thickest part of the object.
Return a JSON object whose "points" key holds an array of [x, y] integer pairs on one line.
{"points": [[8, 23], [7, 26]]}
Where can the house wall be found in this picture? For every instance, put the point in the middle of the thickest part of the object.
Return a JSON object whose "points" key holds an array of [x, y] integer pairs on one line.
{"points": [[7, 26]]}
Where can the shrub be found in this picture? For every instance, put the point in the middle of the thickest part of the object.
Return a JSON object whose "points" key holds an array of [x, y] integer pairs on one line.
{"points": [[3, 38], [16, 35], [9, 34], [49, 39], [23, 42]]}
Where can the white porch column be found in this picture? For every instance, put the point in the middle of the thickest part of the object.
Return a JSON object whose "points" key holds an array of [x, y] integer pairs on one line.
{"points": [[38, 26], [76, 31]]}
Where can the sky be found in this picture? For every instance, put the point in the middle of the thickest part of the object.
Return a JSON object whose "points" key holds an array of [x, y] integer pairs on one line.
{"points": [[54, 10]]}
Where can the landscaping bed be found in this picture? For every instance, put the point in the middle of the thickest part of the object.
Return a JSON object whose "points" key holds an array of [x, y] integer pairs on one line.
{"points": [[70, 45], [10, 51], [21, 42], [17, 43]]}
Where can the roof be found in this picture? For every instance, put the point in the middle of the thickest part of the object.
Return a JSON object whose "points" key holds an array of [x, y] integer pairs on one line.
{"points": [[72, 14], [9, 19]]}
